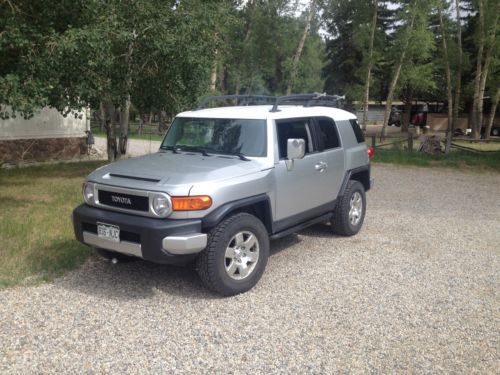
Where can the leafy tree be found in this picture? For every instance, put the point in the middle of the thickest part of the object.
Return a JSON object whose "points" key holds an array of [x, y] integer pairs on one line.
{"points": [[153, 53], [481, 44], [352, 53], [412, 47]]}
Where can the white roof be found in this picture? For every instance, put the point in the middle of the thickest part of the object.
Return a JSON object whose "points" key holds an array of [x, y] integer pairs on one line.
{"points": [[263, 112]]}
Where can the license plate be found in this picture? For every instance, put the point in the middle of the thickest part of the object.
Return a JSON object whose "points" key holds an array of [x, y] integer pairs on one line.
{"points": [[108, 232]]}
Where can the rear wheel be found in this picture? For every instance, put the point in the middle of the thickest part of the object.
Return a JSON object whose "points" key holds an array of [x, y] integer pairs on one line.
{"points": [[236, 255], [349, 214]]}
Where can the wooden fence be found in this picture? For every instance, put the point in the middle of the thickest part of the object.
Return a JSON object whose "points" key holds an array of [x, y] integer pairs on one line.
{"points": [[410, 141]]}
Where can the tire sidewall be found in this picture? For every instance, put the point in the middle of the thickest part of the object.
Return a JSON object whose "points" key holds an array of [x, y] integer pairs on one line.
{"points": [[355, 187], [248, 223]]}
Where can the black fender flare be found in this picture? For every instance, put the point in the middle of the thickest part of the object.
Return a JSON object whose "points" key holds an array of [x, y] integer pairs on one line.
{"points": [[217, 215]]}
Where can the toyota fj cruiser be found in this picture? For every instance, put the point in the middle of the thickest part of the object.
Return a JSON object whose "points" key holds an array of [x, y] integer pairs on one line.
{"points": [[225, 181]]}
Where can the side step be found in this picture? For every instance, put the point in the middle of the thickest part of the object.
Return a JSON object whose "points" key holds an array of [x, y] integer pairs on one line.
{"points": [[301, 226]]}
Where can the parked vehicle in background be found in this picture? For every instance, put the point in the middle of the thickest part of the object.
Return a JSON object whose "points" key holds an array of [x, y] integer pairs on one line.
{"points": [[395, 117], [419, 115]]}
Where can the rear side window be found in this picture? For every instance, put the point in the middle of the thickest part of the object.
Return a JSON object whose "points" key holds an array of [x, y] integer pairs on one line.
{"points": [[357, 131], [328, 137]]}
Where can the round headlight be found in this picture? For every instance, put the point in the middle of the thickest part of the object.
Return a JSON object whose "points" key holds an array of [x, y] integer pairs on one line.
{"points": [[161, 204], [88, 192]]}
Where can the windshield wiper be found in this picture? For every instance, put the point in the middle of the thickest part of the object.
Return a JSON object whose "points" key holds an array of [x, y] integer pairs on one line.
{"points": [[242, 156], [170, 148], [238, 154], [192, 148]]}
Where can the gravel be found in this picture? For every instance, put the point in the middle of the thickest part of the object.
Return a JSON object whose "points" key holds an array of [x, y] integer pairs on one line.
{"points": [[416, 291]]}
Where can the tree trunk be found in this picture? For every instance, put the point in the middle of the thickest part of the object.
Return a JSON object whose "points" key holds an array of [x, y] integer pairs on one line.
{"points": [[213, 74], [124, 121], [238, 84], [485, 70], [110, 118], [298, 52], [494, 105], [366, 98], [458, 87], [476, 127], [395, 78], [102, 111], [407, 114], [251, 8], [141, 123], [449, 128], [161, 123]]}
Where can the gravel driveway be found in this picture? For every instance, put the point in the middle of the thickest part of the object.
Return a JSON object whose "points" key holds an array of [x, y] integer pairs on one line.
{"points": [[416, 291]]}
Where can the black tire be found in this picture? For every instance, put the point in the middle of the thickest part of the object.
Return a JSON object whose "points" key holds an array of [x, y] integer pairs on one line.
{"points": [[212, 262], [398, 123], [341, 223], [109, 255], [495, 132]]}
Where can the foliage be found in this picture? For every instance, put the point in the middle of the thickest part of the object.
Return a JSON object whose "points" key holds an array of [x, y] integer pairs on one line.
{"points": [[164, 54]]}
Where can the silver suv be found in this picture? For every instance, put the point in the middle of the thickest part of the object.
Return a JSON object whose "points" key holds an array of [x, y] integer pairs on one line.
{"points": [[225, 182]]}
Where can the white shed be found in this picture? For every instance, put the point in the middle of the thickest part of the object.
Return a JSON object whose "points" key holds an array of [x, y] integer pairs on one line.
{"points": [[47, 135]]}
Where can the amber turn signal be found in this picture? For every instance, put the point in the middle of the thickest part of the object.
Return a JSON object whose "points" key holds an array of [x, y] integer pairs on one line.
{"points": [[194, 203]]}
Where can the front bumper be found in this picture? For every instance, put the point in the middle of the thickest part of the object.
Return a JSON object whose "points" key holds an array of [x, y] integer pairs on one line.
{"points": [[156, 240]]}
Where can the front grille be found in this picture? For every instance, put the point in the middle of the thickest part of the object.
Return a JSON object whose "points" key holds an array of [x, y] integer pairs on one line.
{"points": [[126, 201]]}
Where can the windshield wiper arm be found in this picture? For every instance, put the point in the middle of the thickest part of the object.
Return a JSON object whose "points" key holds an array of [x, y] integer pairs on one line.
{"points": [[242, 156], [192, 148], [170, 148]]}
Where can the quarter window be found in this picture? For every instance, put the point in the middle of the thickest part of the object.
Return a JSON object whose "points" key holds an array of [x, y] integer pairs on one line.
{"points": [[328, 137], [357, 131]]}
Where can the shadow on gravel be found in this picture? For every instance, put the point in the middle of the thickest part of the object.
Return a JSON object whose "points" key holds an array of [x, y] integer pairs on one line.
{"points": [[320, 230], [134, 281], [141, 280]]}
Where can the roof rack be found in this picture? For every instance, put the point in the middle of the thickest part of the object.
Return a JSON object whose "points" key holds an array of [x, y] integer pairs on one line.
{"points": [[307, 100], [310, 100], [243, 100]]}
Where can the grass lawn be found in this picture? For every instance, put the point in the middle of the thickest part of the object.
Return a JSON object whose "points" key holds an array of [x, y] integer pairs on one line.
{"points": [[36, 231], [481, 146], [456, 159]]}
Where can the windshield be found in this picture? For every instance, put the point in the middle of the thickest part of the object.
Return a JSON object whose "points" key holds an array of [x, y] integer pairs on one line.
{"points": [[220, 136]]}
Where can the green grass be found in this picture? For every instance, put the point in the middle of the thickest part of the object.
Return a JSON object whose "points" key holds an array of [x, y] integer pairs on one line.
{"points": [[456, 159], [36, 230], [481, 146]]}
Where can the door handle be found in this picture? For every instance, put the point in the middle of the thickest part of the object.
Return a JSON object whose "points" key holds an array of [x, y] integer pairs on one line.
{"points": [[321, 166]]}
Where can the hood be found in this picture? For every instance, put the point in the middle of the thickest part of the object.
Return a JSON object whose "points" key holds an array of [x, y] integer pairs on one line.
{"points": [[164, 170]]}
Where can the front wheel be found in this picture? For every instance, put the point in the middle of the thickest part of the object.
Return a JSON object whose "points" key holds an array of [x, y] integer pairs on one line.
{"points": [[236, 255], [349, 213]]}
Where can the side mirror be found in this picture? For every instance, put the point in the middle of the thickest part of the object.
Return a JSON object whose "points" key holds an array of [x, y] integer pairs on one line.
{"points": [[295, 149]]}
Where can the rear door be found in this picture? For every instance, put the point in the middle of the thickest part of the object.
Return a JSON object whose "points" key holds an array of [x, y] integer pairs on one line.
{"points": [[329, 146]]}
